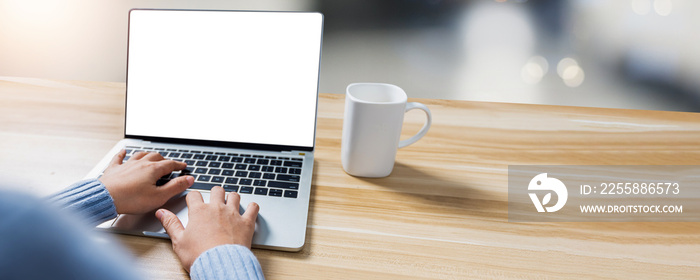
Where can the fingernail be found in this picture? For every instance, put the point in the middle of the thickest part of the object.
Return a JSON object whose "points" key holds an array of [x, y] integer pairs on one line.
{"points": [[159, 214], [190, 180]]}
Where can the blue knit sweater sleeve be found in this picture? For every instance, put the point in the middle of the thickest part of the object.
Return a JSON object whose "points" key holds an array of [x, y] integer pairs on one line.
{"points": [[88, 198], [226, 262]]}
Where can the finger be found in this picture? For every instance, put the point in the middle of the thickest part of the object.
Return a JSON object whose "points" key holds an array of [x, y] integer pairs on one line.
{"points": [[252, 211], [234, 200], [194, 198], [217, 195], [176, 186], [118, 158], [166, 166], [154, 156], [171, 223], [138, 155]]}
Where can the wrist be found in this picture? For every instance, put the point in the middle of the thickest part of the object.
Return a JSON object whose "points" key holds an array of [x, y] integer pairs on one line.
{"points": [[112, 195]]}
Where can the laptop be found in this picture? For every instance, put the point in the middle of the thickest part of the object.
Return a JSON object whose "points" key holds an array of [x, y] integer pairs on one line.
{"points": [[233, 94]]}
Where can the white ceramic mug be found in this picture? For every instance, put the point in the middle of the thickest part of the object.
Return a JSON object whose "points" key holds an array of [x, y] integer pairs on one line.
{"points": [[372, 127]]}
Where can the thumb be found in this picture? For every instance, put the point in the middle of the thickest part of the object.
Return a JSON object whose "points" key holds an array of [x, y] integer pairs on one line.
{"points": [[170, 222]]}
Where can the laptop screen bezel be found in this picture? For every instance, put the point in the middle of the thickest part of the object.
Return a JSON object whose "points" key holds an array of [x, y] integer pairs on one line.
{"points": [[216, 143]]}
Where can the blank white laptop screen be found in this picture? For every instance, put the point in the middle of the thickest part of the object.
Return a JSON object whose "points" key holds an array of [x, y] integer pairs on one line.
{"points": [[249, 77]]}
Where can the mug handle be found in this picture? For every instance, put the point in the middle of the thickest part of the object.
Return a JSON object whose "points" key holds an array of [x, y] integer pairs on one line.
{"points": [[426, 126]]}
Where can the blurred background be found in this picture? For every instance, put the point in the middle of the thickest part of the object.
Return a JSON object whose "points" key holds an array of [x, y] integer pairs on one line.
{"points": [[638, 54]]}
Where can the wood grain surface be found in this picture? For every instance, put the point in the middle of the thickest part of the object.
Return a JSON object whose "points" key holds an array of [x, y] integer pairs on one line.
{"points": [[442, 213]]}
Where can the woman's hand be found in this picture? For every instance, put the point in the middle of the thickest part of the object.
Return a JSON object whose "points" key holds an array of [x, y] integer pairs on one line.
{"points": [[210, 224], [132, 184]]}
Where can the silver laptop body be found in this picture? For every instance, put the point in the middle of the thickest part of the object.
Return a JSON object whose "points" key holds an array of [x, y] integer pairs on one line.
{"points": [[239, 87]]}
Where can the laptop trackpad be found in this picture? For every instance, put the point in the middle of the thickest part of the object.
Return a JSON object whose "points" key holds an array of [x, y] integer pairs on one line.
{"points": [[148, 224]]}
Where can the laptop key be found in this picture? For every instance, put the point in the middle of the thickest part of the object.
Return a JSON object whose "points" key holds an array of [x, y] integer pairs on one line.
{"points": [[241, 166], [249, 160], [227, 165], [227, 173], [200, 171], [246, 190], [231, 180], [241, 173], [292, 163], [289, 178], [214, 164], [246, 182], [217, 179], [268, 169], [174, 155], [224, 158], [283, 185], [230, 188], [211, 157], [294, 171], [190, 161], [201, 163], [186, 156], [254, 167], [261, 191], [202, 186], [198, 156], [255, 175], [236, 159], [276, 162], [290, 194], [203, 178], [214, 171], [281, 169], [269, 176], [263, 161], [259, 183], [275, 192]]}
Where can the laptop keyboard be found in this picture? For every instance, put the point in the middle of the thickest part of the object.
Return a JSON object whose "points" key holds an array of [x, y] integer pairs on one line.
{"points": [[243, 173]]}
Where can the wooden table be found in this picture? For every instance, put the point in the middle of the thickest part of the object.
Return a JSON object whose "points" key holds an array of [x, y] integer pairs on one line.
{"points": [[441, 214]]}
